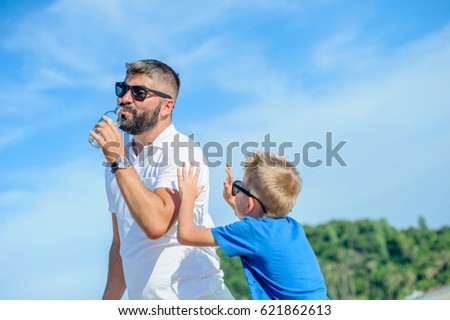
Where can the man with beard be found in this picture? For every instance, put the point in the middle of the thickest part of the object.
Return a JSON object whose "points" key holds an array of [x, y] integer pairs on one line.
{"points": [[145, 257]]}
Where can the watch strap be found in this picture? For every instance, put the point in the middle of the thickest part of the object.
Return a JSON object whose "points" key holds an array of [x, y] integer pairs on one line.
{"points": [[120, 163]]}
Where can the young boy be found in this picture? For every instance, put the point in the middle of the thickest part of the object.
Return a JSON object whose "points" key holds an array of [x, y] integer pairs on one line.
{"points": [[278, 260]]}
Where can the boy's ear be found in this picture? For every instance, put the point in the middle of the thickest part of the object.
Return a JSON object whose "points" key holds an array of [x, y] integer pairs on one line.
{"points": [[250, 205]]}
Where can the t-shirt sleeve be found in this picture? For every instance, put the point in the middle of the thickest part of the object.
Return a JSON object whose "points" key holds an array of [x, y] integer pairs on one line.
{"points": [[167, 176], [235, 239], [173, 158]]}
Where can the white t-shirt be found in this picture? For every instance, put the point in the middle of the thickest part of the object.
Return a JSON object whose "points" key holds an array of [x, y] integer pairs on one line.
{"points": [[162, 268]]}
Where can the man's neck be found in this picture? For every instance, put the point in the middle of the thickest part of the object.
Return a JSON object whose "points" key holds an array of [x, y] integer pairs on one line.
{"points": [[148, 137]]}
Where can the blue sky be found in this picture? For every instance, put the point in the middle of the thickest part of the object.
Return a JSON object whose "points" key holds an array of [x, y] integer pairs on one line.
{"points": [[374, 73]]}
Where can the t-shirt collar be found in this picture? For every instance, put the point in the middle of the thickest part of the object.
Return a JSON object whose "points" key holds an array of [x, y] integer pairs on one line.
{"points": [[165, 136]]}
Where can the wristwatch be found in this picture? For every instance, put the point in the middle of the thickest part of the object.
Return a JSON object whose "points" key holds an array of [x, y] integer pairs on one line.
{"points": [[120, 163]]}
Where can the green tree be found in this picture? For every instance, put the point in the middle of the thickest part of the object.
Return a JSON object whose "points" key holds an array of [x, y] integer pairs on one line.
{"points": [[367, 259], [234, 276]]}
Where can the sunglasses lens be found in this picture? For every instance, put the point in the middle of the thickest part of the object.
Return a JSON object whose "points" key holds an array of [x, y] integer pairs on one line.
{"points": [[139, 93], [120, 89], [234, 189]]}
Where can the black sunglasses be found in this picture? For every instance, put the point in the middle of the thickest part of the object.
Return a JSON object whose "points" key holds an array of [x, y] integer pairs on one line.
{"points": [[238, 187], [138, 92]]}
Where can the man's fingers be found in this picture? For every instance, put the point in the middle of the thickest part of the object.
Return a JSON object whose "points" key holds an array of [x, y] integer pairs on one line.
{"points": [[108, 120], [97, 137], [108, 132], [109, 124]]}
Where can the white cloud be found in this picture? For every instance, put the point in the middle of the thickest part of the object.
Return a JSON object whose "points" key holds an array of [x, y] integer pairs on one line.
{"points": [[344, 50], [91, 38], [12, 136], [388, 117]]}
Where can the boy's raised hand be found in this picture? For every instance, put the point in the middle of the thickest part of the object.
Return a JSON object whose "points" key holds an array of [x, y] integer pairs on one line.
{"points": [[187, 183], [227, 186]]}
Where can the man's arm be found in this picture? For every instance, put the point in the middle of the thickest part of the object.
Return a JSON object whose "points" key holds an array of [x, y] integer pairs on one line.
{"points": [[188, 233], [155, 212], [115, 285]]}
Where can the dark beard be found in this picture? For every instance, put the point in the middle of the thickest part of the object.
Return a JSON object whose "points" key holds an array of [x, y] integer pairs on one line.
{"points": [[138, 124]]}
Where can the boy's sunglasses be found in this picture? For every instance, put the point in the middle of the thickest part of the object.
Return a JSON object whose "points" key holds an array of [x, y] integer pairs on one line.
{"points": [[139, 93], [237, 186]]}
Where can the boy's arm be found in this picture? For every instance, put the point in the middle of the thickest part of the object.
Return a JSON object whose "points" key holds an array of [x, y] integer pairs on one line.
{"points": [[188, 233]]}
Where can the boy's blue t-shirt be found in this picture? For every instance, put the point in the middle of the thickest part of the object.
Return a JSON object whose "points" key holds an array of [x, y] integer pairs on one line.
{"points": [[277, 258]]}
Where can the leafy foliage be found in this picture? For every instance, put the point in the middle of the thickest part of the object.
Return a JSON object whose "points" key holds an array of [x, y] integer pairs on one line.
{"points": [[368, 259], [234, 276]]}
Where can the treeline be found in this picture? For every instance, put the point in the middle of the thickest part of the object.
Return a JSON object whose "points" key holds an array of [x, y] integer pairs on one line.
{"points": [[368, 259]]}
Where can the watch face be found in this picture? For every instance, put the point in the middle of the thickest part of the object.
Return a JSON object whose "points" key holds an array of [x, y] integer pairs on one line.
{"points": [[124, 163], [120, 163]]}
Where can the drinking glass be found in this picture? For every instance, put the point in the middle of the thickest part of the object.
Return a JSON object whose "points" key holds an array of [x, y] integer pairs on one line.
{"points": [[112, 114]]}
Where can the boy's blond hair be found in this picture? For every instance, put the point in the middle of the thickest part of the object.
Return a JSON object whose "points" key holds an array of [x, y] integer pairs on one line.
{"points": [[274, 181]]}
